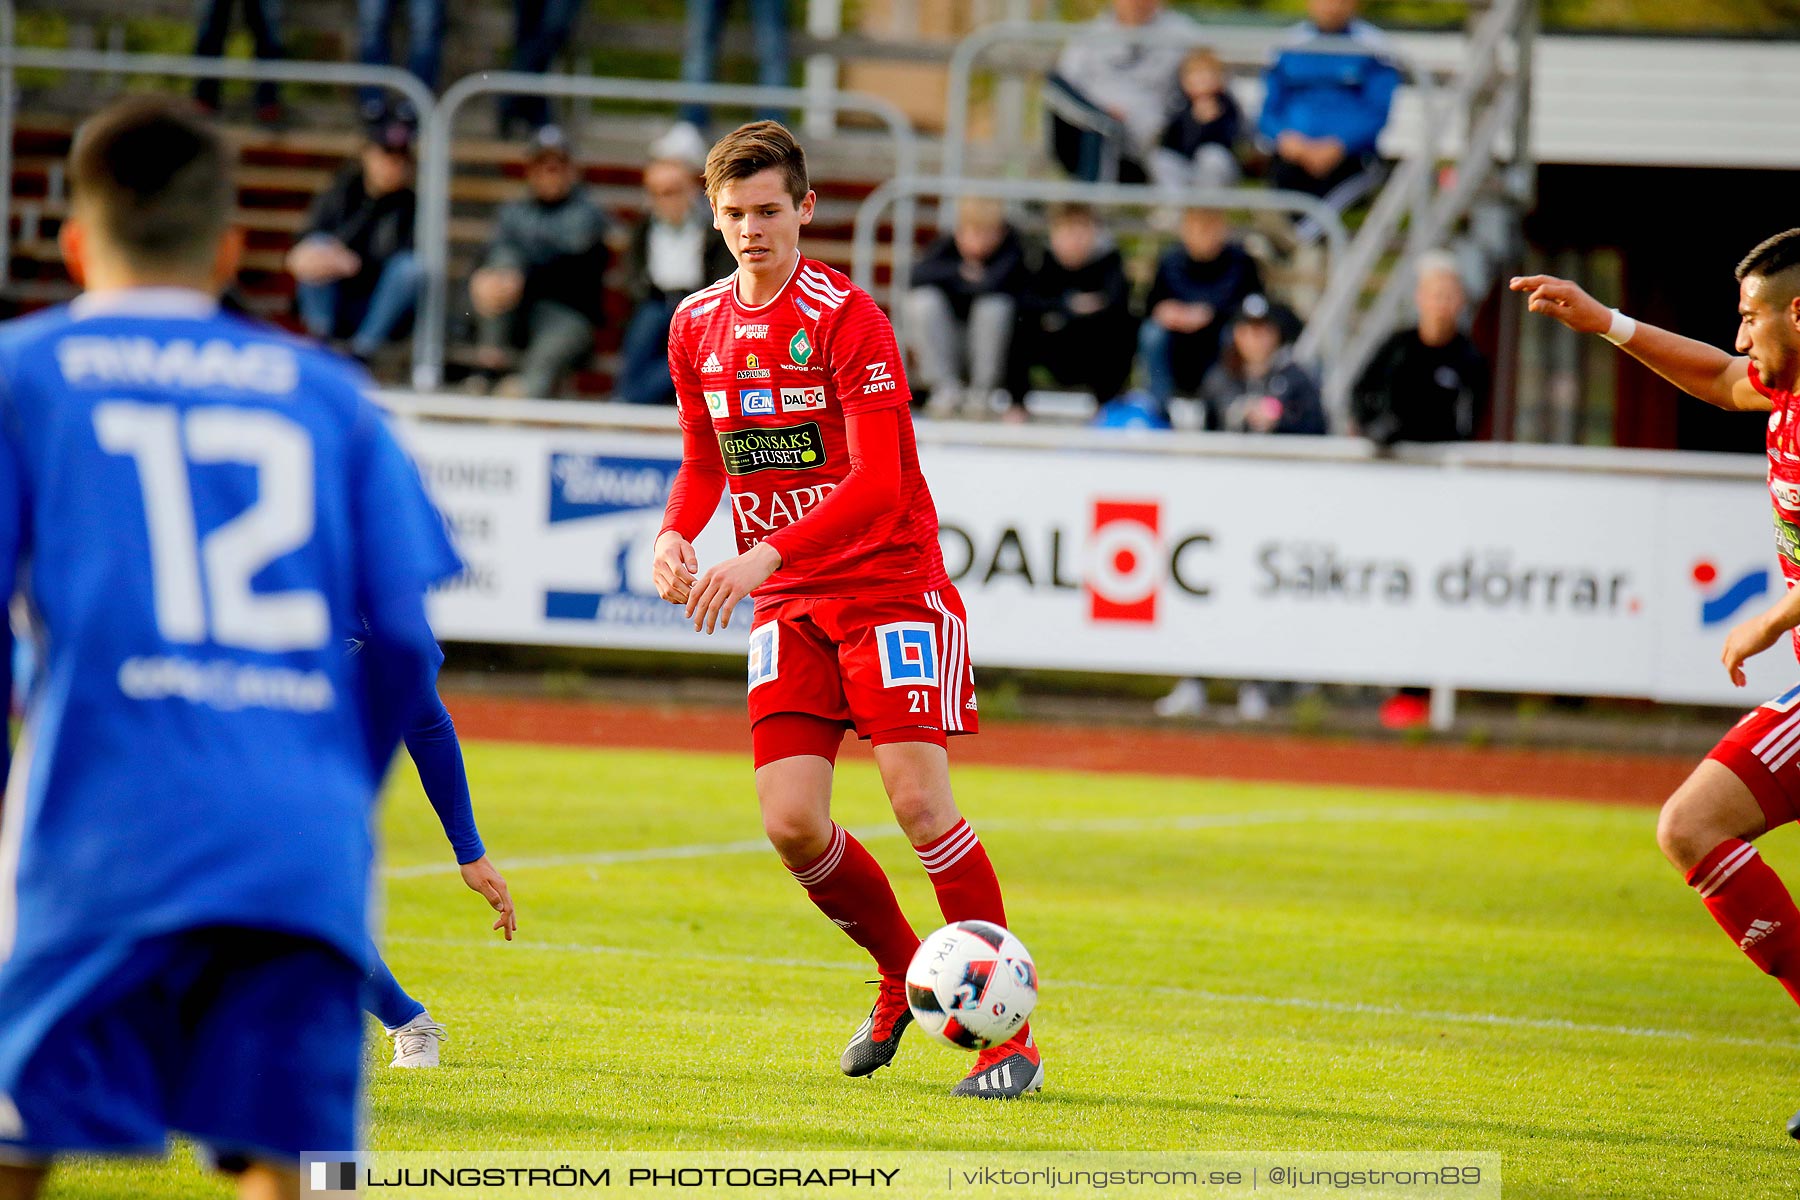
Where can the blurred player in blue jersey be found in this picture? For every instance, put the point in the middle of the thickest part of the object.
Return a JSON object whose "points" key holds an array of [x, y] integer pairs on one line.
{"points": [[200, 514], [431, 740]]}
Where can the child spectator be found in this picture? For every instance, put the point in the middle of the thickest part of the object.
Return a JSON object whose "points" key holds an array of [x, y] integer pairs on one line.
{"points": [[1196, 292], [1075, 317], [538, 290], [354, 271], [1255, 387], [1199, 144], [961, 307]]}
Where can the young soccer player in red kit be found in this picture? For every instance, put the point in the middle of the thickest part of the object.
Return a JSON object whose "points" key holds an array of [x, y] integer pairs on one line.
{"points": [[791, 392], [1750, 783]]}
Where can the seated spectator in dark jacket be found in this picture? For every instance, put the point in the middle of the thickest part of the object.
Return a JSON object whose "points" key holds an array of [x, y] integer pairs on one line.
{"points": [[1323, 111], [1075, 317], [355, 275], [538, 288], [1199, 144], [960, 309], [1129, 87], [1198, 287], [1428, 383], [674, 252], [1256, 387]]}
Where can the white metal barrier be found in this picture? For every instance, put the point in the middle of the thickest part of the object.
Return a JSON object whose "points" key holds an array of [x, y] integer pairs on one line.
{"points": [[1493, 567]]}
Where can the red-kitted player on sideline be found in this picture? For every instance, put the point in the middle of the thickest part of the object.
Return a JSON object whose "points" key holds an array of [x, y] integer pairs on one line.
{"points": [[790, 389], [1750, 783]]}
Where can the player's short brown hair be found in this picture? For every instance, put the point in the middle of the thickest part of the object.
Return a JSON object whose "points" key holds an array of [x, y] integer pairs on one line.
{"points": [[752, 149], [1772, 255], [155, 180]]}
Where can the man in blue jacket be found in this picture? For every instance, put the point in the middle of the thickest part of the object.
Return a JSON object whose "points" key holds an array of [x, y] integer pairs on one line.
{"points": [[1326, 100]]}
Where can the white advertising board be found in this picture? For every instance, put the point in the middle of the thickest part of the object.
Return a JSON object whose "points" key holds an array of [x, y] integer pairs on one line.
{"points": [[1510, 579]]}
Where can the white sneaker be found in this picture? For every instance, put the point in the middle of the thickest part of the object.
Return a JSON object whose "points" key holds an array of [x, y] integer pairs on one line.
{"points": [[416, 1042], [1253, 702], [1187, 700]]}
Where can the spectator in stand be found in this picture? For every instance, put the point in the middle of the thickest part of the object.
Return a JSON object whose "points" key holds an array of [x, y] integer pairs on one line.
{"points": [[1426, 384], [354, 270], [674, 252], [264, 19], [1198, 287], [538, 290], [961, 308], [424, 42], [1256, 387], [1325, 103], [541, 29], [700, 60], [1133, 84], [1075, 317], [1199, 144]]}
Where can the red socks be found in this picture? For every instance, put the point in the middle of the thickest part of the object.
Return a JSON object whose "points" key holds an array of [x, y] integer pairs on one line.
{"points": [[849, 886], [967, 888], [1747, 899]]}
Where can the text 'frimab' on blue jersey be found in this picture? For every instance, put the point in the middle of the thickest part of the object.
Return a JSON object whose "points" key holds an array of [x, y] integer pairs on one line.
{"points": [[201, 514]]}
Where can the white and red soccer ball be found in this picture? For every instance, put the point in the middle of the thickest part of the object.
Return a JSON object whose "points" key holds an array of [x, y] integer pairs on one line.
{"points": [[971, 985]]}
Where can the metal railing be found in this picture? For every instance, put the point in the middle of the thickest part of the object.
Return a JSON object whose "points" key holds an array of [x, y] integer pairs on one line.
{"points": [[1236, 45], [435, 162], [903, 189], [107, 62], [1409, 208]]}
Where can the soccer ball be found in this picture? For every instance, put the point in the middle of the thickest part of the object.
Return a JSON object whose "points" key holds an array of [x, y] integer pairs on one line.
{"points": [[971, 985]]}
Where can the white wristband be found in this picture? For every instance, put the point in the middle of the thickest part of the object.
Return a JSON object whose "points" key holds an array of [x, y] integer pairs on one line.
{"points": [[1621, 330]]}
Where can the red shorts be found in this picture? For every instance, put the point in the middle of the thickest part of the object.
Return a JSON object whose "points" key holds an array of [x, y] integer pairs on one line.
{"points": [[1763, 750], [873, 665]]}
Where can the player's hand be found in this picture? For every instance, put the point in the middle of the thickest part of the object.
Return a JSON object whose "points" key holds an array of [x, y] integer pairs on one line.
{"points": [[724, 585], [1746, 640], [674, 567], [1565, 301], [481, 877]]}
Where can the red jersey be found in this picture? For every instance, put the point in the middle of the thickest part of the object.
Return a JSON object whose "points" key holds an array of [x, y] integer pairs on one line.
{"points": [[1784, 479], [771, 387]]}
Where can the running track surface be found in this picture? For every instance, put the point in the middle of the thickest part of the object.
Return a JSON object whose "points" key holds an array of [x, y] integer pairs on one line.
{"points": [[1560, 774]]}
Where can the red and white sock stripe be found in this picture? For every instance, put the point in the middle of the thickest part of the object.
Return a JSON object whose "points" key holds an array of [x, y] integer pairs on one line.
{"points": [[816, 871], [953, 672], [1726, 868], [945, 852]]}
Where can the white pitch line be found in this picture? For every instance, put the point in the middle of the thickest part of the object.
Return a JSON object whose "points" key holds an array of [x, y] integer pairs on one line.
{"points": [[1196, 821], [1348, 1008]]}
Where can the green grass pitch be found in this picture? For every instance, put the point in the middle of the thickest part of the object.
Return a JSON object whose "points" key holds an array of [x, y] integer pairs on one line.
{"points": [[1226, 966]]}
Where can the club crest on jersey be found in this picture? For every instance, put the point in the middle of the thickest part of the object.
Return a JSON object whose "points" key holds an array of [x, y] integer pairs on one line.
{"points": [[757, 402], [802, 399], [717, 404], [800, 349], [712, 366], [753, 368], [765, 657], [909, 655]]}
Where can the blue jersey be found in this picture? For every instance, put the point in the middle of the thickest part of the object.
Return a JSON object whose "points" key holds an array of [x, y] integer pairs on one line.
{"points": [[201, 513]]}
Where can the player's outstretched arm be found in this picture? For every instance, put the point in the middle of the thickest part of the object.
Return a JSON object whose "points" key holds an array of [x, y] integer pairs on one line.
{"points": [[693, 498], [1702, 371]]}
